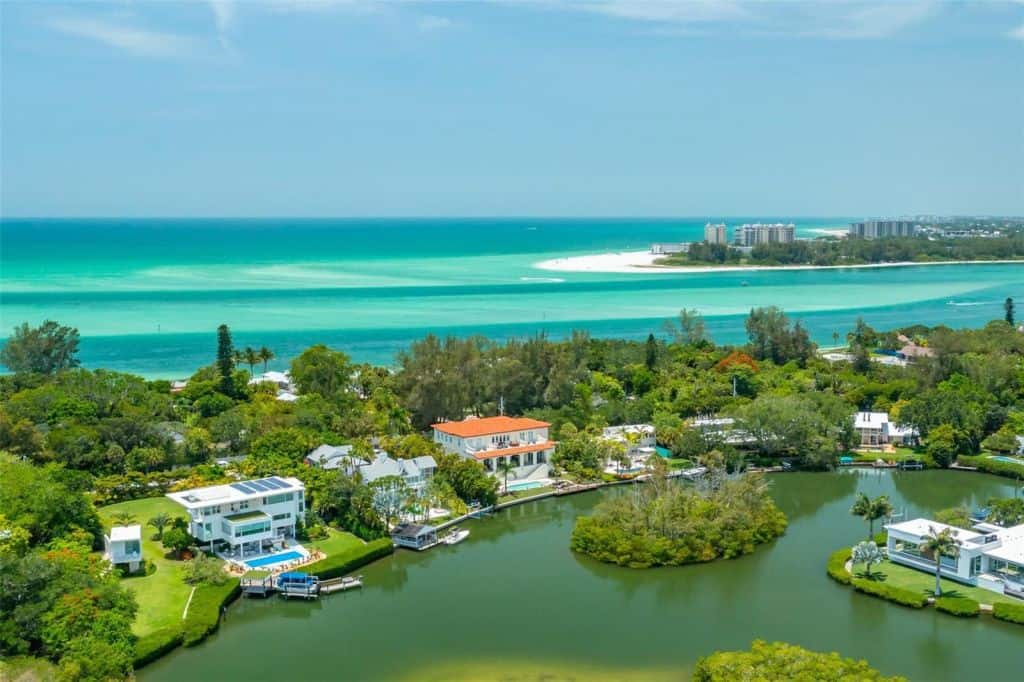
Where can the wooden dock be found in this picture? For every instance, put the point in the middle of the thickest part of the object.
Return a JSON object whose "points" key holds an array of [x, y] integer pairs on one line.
{"points": [[333, 585]]}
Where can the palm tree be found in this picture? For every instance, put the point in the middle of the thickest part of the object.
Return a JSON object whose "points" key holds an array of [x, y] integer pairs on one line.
{"points": [[250, 357], [867, 553], [160, 521], [937, 544], [870, 510], [124, 518], [266, 355], [505, 467]]}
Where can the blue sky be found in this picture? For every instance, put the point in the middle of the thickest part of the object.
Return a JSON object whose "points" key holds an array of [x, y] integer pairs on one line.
{"points": [[546, 107]]}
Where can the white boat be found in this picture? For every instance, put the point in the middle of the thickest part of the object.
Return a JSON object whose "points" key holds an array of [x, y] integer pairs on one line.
{"points": [[456, 536]]}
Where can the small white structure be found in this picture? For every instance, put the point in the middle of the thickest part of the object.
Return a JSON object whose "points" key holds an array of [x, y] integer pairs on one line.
{"points": [[638, 439], [282, 380], [875, 429], [990, 556], [520, 442], [246, 515], [722, 429], [124, 546]]}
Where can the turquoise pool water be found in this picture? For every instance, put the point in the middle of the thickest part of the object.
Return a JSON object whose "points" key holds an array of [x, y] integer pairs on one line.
{"points": [[525, 485], [273, 559], [663, 451], [1008, 460]]}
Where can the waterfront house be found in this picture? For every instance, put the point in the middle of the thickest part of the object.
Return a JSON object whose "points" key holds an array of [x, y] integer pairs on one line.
{"points": [[414, 536], [415, 471], [638, 439], [990, 557], [722, 430], [876, 429], [333, 457], [519, 441], [245, 516], [123, 546]]}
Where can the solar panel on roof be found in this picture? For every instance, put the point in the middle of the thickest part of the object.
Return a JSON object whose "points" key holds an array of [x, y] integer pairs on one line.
{"points": [[279, 482], [243, 488], [269, 484], [259, 486]]}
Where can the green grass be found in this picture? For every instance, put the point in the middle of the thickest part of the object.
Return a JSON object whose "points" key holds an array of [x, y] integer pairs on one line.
{"points": [[336, 541], [918, 581], [162, 595], [245, 516], [27, 669], [519, 494]]}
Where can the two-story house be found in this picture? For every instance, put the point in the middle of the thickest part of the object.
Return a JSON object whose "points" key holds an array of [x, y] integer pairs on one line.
{"points": [[124, 546], [520, 442], [246, 515]]}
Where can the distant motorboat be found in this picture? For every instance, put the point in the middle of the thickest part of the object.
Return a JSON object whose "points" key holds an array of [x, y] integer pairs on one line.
{"points": [[456, 536], [744, 283]]}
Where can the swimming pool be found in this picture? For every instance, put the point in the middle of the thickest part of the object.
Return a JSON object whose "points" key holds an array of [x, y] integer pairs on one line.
{"points": [[1008, 460], [663, 451], [273, 559], [524, 485]]}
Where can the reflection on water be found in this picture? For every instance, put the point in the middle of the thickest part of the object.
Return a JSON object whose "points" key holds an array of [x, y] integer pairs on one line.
{"points": [[513, 602]]}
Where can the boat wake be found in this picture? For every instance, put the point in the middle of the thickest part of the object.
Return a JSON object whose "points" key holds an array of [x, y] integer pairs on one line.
{"points": [[555, 280], [960, 304]]}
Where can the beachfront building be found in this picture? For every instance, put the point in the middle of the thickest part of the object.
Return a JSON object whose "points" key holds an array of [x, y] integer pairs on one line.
{"points": [[990, 556], [244, 517], [876, 429], [877, 229], [715, 233], [669, 248], [492, 441], [753, 234], [123, 547]]}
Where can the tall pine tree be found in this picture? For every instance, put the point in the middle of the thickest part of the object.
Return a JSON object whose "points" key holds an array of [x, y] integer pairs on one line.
{"points": [[225, 360]]}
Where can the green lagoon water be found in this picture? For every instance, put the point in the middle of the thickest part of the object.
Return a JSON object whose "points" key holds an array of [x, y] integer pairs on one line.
{"points": [[513, 603], [147, 295]]}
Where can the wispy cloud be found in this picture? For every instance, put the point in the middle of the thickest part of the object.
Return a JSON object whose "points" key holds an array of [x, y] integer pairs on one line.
{"points": [[871, 20], [223, 17], [431, 23], [1017, 33], [131, 39], [665, 11]]}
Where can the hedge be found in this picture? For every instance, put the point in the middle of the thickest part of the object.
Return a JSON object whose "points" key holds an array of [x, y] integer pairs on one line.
{"points": [[992, 466], [896, 595], [203, 617], [964, 607], [341, 563], [156, 644], [1011, 613], [837, 566]]}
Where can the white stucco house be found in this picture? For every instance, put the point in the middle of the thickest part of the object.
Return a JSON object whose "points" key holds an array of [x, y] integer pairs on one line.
{"points": [[990, 556], [876, 429], [247, 516], [519, 441], [123, 546], [638, 439]]}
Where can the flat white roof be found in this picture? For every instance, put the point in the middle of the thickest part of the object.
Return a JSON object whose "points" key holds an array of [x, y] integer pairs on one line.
{"points": [[870, 420], [120, 533], [922, 527], [1012, 547], [236, 492]]}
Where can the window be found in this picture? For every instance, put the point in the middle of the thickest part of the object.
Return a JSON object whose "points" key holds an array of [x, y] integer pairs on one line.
{"points": [[976, 565], [281, 517], [244, 505], [529, 458], [252, 529], [131, 547], [283, 497], [541, 458]]}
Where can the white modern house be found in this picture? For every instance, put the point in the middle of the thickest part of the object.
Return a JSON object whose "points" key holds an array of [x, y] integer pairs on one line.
{"points": [[875, 429], [245, 516], [638, 439], [520, 442], [124, 546], [990, 556]]}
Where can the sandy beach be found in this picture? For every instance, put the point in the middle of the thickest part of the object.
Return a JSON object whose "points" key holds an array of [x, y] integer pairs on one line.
{"points": [[633, 262]]}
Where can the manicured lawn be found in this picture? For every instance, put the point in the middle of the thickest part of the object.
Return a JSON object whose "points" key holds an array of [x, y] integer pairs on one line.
{"points": [[162, 595], [519, 494], [919, 581], [336, 541]]}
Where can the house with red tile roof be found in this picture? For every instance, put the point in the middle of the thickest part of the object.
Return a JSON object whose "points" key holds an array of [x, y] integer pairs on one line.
{"points": [[519, 441]]}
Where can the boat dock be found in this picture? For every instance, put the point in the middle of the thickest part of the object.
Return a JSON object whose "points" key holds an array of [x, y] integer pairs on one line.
{"points": [[332, 585], [295, 584]]}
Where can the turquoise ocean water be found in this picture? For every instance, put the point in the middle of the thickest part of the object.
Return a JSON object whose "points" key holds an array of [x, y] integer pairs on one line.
{"points": [[147, 295]]}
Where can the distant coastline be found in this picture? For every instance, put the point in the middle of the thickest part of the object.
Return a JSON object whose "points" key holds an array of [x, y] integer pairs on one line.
{"points": [[645, 262]]}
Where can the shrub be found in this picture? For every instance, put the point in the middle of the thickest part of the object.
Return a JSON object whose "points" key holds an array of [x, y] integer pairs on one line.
{"points": [[897, 595], [958, 606], [205, 569], [1011, 613], [204, 612], [156, 644], [781, 661], [992, 466], [339, 564], [837, 566]]}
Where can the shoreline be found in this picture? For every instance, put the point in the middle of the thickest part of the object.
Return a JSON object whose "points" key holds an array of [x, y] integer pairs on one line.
{"points": [[632, 262]]}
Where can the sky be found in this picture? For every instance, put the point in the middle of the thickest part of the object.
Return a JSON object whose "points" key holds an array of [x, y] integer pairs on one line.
{"points": [[510, 108]]}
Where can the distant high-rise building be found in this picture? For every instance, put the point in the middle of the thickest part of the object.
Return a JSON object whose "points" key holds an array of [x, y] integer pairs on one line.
{"points": [[752, 234], [876, 229], [715, 234]]}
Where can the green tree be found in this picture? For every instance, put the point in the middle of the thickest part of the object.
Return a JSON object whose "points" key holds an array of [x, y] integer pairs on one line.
{"points": [[936, 544], [251, 357], [40, 500], [954, 516], [504, 467], [45, 349], [159, 522], [176, 540], [781, 661], [225, 360], [941, 445], [266, 355], [871, 510], [651, 352], [323, 371], [1006, 512], [123, 518], [866, 553], [1009, 310]]}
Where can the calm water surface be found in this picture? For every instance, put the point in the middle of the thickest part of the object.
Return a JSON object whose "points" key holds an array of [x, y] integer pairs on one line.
{"points": [[513, 598]]}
